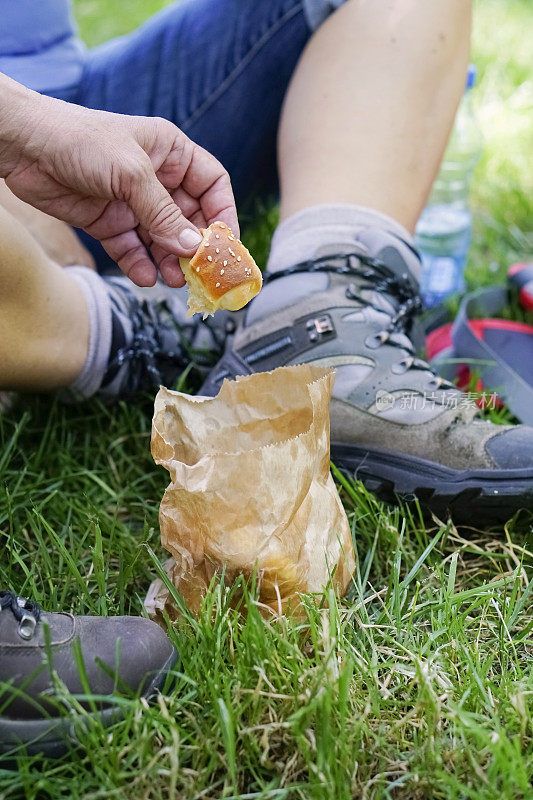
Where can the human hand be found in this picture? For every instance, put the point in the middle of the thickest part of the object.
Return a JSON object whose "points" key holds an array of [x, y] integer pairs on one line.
{"points": [[137, 184]]}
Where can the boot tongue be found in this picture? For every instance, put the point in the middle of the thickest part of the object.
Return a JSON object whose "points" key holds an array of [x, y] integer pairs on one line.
{"points": [[384, 302], [398, 254], [384, 305], [401, 259]]}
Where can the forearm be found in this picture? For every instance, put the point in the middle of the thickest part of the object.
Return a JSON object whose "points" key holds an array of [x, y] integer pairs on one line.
{"points": [[20, 110]]}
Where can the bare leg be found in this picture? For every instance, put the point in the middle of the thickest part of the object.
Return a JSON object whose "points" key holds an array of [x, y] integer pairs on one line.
{"points": [[365, 122], [371, 105], [56, 238], [44, 327]]}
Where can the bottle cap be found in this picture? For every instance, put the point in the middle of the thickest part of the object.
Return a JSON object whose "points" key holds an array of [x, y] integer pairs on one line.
{"points": [[471, 77]]}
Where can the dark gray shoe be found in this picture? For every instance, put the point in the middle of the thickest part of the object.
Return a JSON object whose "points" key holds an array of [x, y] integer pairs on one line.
{"points": [[38, 655], [152, 340], [395, 424]]}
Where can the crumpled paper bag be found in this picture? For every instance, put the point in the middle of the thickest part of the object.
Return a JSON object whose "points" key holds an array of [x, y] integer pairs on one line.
{"points": [[250, 489]]}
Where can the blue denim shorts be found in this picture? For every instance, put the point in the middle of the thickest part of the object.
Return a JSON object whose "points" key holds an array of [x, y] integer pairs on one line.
{"points": [[218, 69]]}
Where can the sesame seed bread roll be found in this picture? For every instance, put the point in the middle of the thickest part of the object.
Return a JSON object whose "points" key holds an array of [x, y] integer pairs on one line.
{"points": [[222, 274]]}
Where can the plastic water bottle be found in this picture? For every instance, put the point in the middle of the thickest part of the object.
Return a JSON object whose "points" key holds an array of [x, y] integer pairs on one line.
{"points": [[444, 229]]}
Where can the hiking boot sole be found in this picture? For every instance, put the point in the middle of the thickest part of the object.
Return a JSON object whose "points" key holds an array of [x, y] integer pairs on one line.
{"points": [[52, 737], [480, 496]]}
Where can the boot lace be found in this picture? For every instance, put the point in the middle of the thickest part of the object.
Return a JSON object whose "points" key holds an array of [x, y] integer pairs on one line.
{"points": [[148, 349], [159, 348]]}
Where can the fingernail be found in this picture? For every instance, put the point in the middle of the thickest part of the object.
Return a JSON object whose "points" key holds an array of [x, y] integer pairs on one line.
{"points": [[189, 238]]}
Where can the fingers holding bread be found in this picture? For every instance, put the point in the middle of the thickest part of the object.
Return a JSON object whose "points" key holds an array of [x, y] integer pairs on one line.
{"points": [[222, 274]]}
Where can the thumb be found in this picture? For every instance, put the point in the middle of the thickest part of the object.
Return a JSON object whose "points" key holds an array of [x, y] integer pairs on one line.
{"points": [[157, 212]]}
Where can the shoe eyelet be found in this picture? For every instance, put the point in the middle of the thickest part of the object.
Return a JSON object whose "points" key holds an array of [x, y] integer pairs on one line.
{"points": [[436, 383], [401, 366], [373, 342]]}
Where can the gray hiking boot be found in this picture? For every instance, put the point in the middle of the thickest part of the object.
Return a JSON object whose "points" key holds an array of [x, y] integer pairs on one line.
{"points": [[41, 651], [395, 424]]}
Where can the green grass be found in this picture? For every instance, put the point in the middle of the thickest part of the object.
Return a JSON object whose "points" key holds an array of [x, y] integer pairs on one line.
{"points": [[419, 686]]}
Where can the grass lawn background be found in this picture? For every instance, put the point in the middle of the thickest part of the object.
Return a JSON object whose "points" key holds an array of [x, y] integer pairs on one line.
{"points": [[419, 687]]}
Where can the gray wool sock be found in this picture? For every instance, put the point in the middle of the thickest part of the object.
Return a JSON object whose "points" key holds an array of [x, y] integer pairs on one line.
{"points": [[323, 230], [318, 230], [98, 303]]}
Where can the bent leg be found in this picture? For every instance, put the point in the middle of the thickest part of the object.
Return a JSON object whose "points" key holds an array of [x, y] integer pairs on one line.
{"points": [[56, 238], [72, 329], [371, 106], [365, 122], [44, 327]]}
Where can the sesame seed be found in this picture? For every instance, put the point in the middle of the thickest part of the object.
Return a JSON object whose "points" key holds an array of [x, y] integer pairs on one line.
{"points": [[206, 244], [231, 252], [238, 258], [225, 263], [221, 271], [209, 258], [231, 238], [197, 269], [217, 250], [217, 284], [217, 236]]}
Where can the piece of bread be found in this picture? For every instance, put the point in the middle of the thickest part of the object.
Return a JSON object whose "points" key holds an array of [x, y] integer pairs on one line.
{"points": [[222, 274]]}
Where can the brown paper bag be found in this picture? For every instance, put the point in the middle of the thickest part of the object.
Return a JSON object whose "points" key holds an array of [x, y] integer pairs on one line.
{"points": [[251, 488]]}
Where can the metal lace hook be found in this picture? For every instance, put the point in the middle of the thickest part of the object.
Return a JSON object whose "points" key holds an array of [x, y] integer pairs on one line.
{"points": [[27, 622], [27, 626]]}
